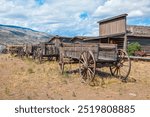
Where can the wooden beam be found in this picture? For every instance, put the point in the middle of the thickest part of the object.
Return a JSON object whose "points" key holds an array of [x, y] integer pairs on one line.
{"points": [[139, 58], [125, 42]]}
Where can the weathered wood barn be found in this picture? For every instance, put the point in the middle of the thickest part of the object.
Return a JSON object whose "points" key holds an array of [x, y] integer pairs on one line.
{"points": [[116, 30], [113, 30], [140, 34], [58, 39]]}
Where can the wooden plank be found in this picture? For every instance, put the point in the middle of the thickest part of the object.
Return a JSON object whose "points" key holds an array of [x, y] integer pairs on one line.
{"points": [[139, 58], [114, 27]]}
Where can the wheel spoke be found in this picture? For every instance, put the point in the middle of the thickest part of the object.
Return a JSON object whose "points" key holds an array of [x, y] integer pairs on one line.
{"points": [[82, 62], [84, 75], [115, 70], [91, 71], [126, 65], [91, 65], [90, 75], [113, 67], [119, 72], [85, 57], [82, 57]]}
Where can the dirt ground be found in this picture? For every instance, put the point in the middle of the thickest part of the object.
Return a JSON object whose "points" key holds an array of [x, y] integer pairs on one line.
{"points": [[25, 79]]}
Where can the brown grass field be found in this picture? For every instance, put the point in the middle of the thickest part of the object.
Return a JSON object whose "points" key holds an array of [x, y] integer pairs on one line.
{"points": [[25, 79]]}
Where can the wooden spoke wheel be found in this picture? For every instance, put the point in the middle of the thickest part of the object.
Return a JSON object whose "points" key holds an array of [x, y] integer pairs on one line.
{"points": [[34, 55], [122, 67], [87, 66], [40, 57], [61, 64], [50, 58]]}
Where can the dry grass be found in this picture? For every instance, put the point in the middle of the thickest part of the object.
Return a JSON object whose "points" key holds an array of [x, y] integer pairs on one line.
{"points": [[25, 79]]}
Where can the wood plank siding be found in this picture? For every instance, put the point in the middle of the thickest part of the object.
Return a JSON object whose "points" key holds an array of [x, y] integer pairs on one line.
{"points": [[116, 26], [113, 26], [113, 30]]}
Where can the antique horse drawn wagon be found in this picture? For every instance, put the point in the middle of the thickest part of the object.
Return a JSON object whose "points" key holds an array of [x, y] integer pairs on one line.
{"points": [[91, 56], [17, 50], [50, 49], [47, 50], [30, 50], [94, 53]]}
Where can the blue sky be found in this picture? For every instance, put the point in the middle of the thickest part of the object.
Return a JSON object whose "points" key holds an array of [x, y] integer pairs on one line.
{"points": [[71, 17], [40, 2]]}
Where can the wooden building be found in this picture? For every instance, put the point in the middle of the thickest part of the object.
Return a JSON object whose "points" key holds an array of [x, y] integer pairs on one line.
{"points": [[58, 39], [140, 34], [113, 30], [85, 39]]}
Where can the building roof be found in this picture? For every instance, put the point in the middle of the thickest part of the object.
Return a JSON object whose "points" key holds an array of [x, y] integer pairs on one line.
{"points": [[112, 18], [138, 31], [60, 37], [81, 38]]}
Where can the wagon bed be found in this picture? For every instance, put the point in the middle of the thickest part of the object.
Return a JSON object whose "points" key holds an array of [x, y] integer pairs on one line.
{"points": [[102, 52], [47, 50]]}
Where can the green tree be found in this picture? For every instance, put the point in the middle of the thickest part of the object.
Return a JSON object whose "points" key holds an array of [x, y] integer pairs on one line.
{"points": [[132, 47]]}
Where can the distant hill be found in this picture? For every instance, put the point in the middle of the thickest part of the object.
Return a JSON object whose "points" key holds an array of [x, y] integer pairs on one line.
{"points": [[20, 35]]}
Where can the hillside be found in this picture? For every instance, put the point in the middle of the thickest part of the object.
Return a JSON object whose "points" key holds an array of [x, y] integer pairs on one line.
{"points": [[19, 35]]}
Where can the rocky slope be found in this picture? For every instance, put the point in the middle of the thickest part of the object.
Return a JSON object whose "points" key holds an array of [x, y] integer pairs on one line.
{"points": [[19, 35]]}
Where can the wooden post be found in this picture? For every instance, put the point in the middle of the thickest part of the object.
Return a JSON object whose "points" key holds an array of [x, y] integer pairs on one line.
{"points": [[125, 36], [125, 43], [108, 40]]}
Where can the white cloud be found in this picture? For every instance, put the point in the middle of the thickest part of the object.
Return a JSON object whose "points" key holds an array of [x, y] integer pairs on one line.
{"points": [[64, 16], [133, 7]]}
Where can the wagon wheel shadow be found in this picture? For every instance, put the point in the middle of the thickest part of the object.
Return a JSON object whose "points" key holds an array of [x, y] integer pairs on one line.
{"points": [[104, 75], [73, 71]]}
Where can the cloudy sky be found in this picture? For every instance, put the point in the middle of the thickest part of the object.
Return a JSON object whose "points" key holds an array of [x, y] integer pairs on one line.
{"points": [[71, 17]]}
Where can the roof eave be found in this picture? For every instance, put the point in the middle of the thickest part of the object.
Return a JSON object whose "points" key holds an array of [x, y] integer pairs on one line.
{"points": [[112, 18]]}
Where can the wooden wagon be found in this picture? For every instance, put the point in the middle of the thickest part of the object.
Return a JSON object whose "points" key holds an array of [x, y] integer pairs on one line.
{"points": [[31, 50], [95, 55], [50, 49], [16, 50], [47, 50]]}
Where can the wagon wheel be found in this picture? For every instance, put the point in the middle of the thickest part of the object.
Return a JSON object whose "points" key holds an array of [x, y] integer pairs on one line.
{"points": [[34, 55], [21, 53], [61, 63], [87, 66], [50, 58], [27, 54], [40, 56], [122, 67]]}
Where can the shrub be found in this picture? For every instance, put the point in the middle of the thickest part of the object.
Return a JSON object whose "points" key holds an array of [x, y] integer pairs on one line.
{"points": [[30, 71], [132, 47]]}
